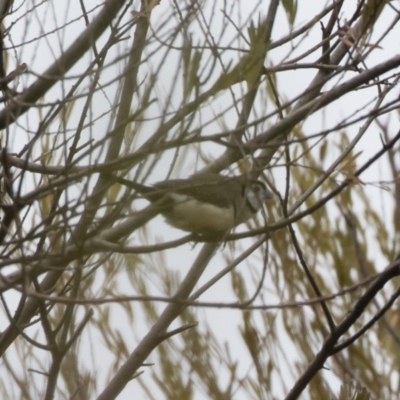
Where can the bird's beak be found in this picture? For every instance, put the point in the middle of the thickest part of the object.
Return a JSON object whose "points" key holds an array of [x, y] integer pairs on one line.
{"points": [[268, 195]]}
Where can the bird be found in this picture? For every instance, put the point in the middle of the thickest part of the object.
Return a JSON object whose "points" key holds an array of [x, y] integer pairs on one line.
{"points": [[207, 203]]}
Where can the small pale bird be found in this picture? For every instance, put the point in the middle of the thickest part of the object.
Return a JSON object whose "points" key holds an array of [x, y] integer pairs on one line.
{"points": [[205, 204]]}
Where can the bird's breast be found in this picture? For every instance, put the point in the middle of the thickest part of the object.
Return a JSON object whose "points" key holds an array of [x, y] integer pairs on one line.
{"points": [[195, 216]]}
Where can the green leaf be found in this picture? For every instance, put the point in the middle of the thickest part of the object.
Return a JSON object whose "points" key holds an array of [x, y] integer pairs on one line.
{"points": [[290, 7]]}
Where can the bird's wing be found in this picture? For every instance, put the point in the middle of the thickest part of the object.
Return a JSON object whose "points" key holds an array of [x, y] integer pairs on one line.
{"points": [[218, 192]]}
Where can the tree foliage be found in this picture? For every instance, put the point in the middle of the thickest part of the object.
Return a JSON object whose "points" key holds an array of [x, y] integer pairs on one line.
{"points": [[101, 299]]}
